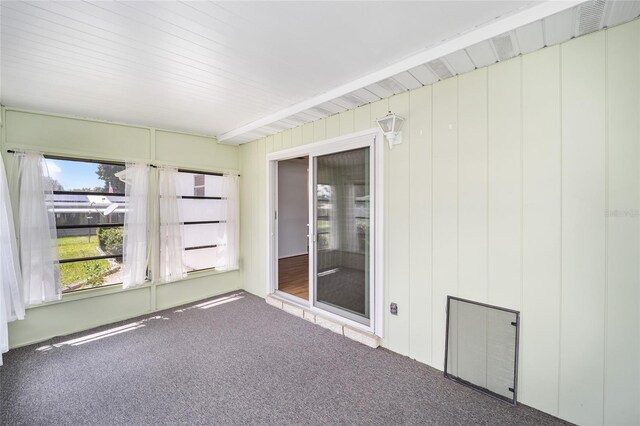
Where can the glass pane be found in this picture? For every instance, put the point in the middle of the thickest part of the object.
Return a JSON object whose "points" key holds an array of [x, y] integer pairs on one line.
{"points": [[194, 184], [201, 259], [77, 209], [203, 235], [203, 210], [77, 243], [213, 186], [343, 234], [77, 175], [89, 274], [386, 123]]}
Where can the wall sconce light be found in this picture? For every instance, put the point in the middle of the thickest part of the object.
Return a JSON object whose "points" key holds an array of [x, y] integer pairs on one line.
{"points": [[391, 126]]}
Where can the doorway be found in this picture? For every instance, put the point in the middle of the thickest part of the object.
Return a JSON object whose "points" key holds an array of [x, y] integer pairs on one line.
{"points": [[325, 203], [293, 227]]}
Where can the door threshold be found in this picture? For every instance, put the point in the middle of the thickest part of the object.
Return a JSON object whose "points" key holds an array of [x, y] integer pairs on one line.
{"points": [[291, 298], [343, 327]]}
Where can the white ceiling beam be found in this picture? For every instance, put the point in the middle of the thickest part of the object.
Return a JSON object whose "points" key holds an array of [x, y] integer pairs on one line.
{"points": [[486, 32]]}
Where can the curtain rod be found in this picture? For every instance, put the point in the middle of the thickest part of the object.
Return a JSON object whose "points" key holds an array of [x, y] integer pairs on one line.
{"points": [[155, 166]]}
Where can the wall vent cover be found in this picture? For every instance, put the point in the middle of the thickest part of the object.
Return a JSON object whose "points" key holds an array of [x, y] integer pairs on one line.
{"points": [[590, 17], [504, 46], [393, 86], [481, 349], [440, 69]]}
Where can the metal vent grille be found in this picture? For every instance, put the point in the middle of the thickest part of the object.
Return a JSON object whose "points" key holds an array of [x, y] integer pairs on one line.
{"points": [[482, 347], [504, 46], [392, 85], [590, 17], [440, 69]]}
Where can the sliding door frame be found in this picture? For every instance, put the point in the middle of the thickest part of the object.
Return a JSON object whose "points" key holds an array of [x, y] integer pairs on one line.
{"points": [[328, 146]]}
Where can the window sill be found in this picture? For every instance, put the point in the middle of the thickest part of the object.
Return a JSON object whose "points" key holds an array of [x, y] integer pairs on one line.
{"points": [[89, 293], [198, 274], [117, 288]]}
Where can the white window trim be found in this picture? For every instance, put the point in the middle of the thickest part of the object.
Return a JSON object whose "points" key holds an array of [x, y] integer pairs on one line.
{"points": [[328, 146]]}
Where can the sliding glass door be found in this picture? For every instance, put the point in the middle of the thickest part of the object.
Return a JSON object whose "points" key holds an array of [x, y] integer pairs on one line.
{"points": [[343, 249]]}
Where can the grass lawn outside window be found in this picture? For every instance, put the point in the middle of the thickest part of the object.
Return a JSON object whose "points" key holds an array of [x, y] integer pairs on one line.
{"points": [[85, 274]]}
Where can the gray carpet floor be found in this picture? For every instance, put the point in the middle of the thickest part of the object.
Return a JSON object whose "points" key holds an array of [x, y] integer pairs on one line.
{"points": [[241, 362]]}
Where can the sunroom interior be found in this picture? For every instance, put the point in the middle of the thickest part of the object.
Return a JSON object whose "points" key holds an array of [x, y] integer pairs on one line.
{"points": [[320, 212]]}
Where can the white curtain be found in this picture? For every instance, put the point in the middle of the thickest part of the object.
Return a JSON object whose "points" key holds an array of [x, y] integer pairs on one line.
{"points": [[135, 252], [37, 230], [172, 264], [230, 251], [11, 304]]}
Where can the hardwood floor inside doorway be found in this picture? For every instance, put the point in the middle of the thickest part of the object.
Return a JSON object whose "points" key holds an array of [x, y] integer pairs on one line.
{"points": [[293, 275]]}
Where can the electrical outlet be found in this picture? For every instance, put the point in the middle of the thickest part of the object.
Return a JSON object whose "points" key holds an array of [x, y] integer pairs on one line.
{"points": [[394, 309]]}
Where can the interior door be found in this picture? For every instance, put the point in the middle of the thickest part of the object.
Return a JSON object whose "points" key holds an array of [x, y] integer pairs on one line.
{"points": [[343, 249]]}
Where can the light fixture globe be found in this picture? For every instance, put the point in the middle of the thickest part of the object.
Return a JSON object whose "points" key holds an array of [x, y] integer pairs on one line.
{"points": [[391, 125]]}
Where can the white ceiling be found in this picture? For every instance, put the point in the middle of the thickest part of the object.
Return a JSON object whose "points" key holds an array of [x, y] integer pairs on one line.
{"points": [[214, 67]]}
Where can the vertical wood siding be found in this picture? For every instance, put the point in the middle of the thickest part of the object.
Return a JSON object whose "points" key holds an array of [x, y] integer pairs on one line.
{"points": [[516, 185]]}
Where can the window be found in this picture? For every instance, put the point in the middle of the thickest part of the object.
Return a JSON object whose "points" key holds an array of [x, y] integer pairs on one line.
{"points": [[204, 218], [88, 202]]}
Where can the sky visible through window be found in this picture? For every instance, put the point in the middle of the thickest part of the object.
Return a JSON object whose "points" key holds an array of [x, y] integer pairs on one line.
{"points": [[74, 174]]}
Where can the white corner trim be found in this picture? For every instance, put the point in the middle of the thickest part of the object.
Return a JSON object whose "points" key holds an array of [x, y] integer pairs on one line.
{"points": [[463, 41]]}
